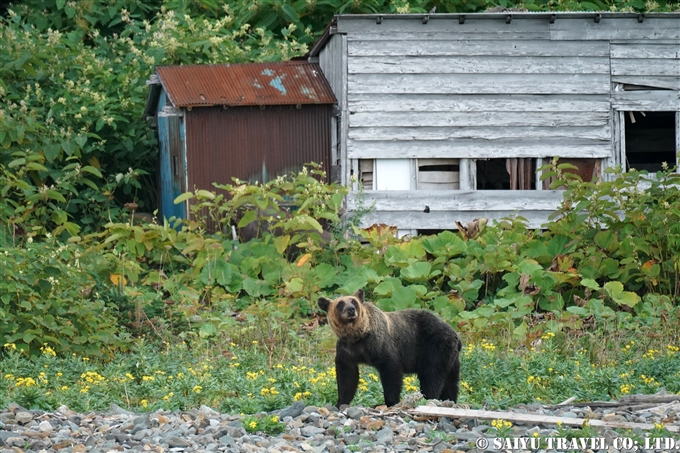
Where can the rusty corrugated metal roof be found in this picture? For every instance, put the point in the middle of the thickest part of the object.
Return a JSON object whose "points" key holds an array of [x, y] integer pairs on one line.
{"points": [[279, 83]]}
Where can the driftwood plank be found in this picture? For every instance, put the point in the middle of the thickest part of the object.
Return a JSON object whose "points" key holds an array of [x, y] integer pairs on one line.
{"points": [[529, 418]]}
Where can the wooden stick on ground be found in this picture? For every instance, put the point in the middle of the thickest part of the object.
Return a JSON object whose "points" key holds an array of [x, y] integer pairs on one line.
{"points": [[529, 418]]}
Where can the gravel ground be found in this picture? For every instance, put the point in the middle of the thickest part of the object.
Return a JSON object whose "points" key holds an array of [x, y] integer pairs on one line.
{"points": [[307, 429]]}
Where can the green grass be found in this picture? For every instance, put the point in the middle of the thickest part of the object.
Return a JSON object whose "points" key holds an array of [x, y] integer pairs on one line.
{"points": [[250, 369]]}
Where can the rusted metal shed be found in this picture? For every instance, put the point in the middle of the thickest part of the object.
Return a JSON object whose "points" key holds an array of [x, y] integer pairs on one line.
{"points": [[250, 121]]}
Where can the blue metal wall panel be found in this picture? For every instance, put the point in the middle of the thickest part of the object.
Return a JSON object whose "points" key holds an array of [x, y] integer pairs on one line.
{"points": [[172, 161]]}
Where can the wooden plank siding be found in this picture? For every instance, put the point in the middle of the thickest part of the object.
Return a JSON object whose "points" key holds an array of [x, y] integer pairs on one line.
{"points": [[481, 65], [372, 44], [500, 97], [619, 29], [646, 100], [477, 103], [543, 147], [483, 86], [647, 64], [407, 208], [333, 62]]}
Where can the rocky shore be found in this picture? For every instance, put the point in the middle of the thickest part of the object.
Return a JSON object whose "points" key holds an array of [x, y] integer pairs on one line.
{"points": [[307, 429]]}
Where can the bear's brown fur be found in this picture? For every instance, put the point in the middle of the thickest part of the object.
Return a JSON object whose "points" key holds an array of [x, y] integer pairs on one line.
{"points": [[397, 343]]}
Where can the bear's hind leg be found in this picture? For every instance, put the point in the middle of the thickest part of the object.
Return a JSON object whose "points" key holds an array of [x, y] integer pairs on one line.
{"points": [[431, 382], [450, 390]]}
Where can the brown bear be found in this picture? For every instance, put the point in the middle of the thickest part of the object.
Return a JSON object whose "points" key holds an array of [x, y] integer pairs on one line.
{"points": [[397, 343]]}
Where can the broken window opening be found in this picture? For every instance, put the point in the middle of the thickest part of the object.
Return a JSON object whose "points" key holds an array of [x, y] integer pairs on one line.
{"points": [[650, 140], [438, 174], [587, 169], [631, 87], [506, 174], [366, 172]]}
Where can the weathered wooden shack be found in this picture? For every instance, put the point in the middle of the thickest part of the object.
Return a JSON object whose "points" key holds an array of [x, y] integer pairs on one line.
{"points": [[446, 117], [250, 121]]}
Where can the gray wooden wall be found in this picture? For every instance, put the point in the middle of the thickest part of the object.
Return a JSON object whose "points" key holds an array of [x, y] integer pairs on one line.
{"points": [[415, 87]]}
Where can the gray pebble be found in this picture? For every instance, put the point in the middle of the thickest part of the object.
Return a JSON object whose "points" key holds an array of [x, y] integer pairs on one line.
{"points": [[24, 417], [227, 440], [293, 410], [384, 436], [115, 409], [462, 434], [355, 412], [174, 442], [310, 431]]}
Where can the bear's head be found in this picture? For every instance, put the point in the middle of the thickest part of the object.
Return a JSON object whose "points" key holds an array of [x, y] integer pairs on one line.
{"points": [[346, 314]]}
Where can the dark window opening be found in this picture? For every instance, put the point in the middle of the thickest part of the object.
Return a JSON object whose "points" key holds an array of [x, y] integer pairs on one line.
{"points": [[631, 87], [650, 140], [438, 168], [506, 174], [432, 232]]}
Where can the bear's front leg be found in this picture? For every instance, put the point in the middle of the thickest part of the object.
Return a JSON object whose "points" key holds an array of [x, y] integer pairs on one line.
{"points": [[347, 376], [392, 379]]}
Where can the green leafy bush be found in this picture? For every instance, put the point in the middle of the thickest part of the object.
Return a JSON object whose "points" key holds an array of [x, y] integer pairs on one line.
{"points": [[180, 272], [47, 297], [626, 228]]}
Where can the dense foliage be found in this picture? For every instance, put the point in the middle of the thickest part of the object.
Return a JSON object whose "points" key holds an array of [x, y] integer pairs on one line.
{"points": [[75, 148], [179, 277]]}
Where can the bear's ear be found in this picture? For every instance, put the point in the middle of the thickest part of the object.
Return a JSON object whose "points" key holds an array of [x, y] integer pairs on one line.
{"points": [[324, 303], [359, 295]]}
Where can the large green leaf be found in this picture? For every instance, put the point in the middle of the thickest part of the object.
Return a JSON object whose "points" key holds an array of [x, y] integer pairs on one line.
{"points": [[256, 288], [326, 274], [404, 298], [387, 286], [223, 272], [621, 297], [401, 254], [248, 217], [590, 283], [352, 284], [417, 272], [184, 197], [445, 244], [469, 290]]}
